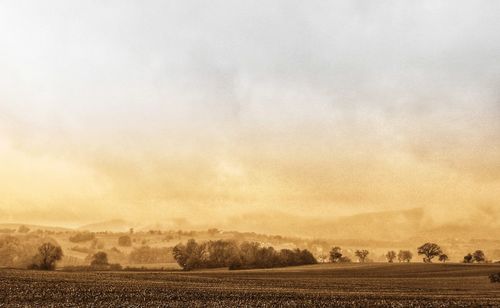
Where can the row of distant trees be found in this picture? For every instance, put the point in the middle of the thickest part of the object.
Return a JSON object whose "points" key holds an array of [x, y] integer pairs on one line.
{"points": [[221, 253], [432, 250], [49, 254], [246, 255], [124, 240], [336, 255], [429, 251]]}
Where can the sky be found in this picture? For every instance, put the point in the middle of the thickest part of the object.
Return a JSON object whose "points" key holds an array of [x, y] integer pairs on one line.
{"points": [[200, 113]]}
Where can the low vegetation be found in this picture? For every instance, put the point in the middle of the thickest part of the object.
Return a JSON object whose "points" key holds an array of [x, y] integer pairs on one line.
{"points": [[125, 241], [151, 255], [82, 237], [429, 251], [478, 256], [495, 277]]}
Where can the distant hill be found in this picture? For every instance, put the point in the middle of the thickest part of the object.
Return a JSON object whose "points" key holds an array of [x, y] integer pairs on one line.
{"points": [[115, 225], [386, 225], [32, 227]]}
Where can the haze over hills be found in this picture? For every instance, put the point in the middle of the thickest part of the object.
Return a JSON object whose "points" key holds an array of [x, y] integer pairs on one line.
{"points": [[413, 224], [32, 227], [387, 225], [115, 225]]}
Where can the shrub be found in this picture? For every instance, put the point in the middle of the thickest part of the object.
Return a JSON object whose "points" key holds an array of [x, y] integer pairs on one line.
{"points": [[468, 258], [99, 259], [125, 241], [23, 229], [115, 267], [82, 237], [345, 259], [81, 249], [443, 258], [495, 277]]}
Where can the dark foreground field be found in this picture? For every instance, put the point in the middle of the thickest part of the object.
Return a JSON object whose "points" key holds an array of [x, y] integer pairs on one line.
{"points": [[396, 285]]}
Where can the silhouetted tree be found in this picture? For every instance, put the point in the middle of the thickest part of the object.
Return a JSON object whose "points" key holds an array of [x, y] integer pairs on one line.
{"points": [[48, 255], [429, 250], [443, 257], [390, 256], [405, 256], [99, 259], [361, 254], [125, 240], [479, 256], [335, 254], [468, 258]]}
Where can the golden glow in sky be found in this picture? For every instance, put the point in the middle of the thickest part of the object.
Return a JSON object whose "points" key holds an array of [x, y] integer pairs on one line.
{"points": [[196, 112]]}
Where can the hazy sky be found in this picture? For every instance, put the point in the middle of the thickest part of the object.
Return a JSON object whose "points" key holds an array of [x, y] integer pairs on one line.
{"points": [[204, 110]]}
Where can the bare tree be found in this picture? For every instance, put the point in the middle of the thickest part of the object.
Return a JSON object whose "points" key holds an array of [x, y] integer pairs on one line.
{"points": [[362, 254], [405, 256], [429, 250], [443, 258], [99, 259], [48, 255], [468, 258], [335, 254], [390, 256], [479, 256]]}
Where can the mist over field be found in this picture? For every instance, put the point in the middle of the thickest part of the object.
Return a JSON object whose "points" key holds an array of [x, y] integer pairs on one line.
{"points": [[345, 119]]}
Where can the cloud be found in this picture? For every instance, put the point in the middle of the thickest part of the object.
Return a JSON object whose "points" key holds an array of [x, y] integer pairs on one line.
{"points": [[160, 110]]}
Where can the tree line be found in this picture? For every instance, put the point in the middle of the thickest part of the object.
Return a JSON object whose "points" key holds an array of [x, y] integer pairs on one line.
{"points": [[229, 254], [247, 255], [429, 251]]}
